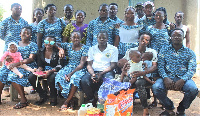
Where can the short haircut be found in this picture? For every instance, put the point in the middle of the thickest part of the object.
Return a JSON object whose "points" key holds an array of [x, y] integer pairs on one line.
{"points": [[129, 7], [165, 13], [102, 5], [175, 30], [15, 4], [113, 4], [78, 11], [48, 5], [149, 55], [103, 31], [146, 33], [27, 27], [132, 52], [179, 12], [69, 5], [34, 19]]}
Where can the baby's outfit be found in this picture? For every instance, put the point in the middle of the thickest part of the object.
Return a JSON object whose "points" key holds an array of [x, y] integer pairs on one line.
{"points": [[16, 57]]}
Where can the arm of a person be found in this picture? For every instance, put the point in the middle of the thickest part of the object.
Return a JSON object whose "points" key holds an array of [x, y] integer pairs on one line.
{"points": [[89, 67], [110, 68], [117, 39], [3, 29], [161, 64], [80, 66], [66, 33], [39, 39], [151, 69], [187, 37], [29, 60], [191, 67], [89, 34]]}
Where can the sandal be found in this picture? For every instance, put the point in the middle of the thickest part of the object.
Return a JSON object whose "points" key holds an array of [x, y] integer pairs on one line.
{"points": [[63, 108], [166, 113], [20, 105]]}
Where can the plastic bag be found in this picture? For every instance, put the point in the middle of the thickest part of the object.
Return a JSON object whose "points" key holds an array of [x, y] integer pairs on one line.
{"points": [[110, 86], [120, 105]]}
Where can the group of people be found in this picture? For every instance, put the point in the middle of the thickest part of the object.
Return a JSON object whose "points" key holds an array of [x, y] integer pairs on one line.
{"points": [[144, 48]]}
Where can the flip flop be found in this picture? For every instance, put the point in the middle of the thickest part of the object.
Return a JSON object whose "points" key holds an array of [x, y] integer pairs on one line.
{"points": [[63, 108], [20, 105]]}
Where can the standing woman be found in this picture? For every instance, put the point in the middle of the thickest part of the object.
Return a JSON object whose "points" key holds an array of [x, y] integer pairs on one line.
{"points": [[77, 26], [68, 78], [128, 33], [159, 31], [28, 50], [51, 26], [38, 13]]}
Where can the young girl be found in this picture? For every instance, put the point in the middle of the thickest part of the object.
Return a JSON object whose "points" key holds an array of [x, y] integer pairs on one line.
{"points": [[16, 56]]}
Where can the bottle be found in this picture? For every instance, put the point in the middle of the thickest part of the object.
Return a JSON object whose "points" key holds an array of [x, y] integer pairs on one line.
{"points": [[82, 111]]}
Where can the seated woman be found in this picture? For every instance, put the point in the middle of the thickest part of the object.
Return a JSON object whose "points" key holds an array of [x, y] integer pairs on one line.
{"points": [[48, 60], [68, 78], [141, 83], [28, 50]]}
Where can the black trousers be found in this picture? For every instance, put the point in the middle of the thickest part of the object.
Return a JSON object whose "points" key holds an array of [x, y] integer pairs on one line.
{"points": [[50, 82]]}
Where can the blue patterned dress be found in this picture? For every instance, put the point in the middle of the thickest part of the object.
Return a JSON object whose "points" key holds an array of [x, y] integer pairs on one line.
{"points": [[51, 29], [10, 30], [128, 37], [7, 76], [160, 38], [74, 61], [34, 32]]}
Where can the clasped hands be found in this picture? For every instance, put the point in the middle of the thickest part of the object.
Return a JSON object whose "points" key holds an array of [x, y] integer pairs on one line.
{"points": [[171, 85]]}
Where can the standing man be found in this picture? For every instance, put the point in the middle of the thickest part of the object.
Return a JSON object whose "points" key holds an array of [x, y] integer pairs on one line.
{"points": [[179, 16], [68, 11], [102, 22], [102, 59], [140, 12], [113, 9], [10, 28], [176, 66]]}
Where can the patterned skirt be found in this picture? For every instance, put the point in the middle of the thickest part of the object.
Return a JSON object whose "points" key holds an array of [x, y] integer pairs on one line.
{"points": [[75, 79]]}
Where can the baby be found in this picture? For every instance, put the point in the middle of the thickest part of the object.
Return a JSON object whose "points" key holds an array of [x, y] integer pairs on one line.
{"points": [[146, 58], [135, 65], [16, 57]]}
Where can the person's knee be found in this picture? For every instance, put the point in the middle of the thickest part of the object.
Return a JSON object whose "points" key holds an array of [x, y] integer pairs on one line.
{"points": [[31, 77], [158, 85], [140, 82], [51, 79], [85, 79]]}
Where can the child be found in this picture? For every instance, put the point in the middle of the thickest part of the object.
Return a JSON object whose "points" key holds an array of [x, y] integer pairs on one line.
{"points": [[146, 58], [16, 57], [135, 65]]}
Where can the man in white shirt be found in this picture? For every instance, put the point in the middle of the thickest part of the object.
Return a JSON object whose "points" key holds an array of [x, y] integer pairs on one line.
{"points": [[102, 59]]}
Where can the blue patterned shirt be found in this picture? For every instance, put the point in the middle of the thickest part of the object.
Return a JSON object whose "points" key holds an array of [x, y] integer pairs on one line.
{"points": [[181, 63], [34, 32], [10, 30], [95, 26], [117, 20], [51, 29], [160, 38]]}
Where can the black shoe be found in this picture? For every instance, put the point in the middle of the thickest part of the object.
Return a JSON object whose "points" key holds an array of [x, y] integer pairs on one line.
{"points": [[41, 101], [53, 103], [180, 113]]}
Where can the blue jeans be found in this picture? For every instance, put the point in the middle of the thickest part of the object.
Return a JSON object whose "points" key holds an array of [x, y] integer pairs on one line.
{"points": [[89, 88], [190, 92]]}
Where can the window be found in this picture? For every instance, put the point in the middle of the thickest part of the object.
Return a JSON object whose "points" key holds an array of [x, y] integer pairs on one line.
{"points": [[134, 2]]}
